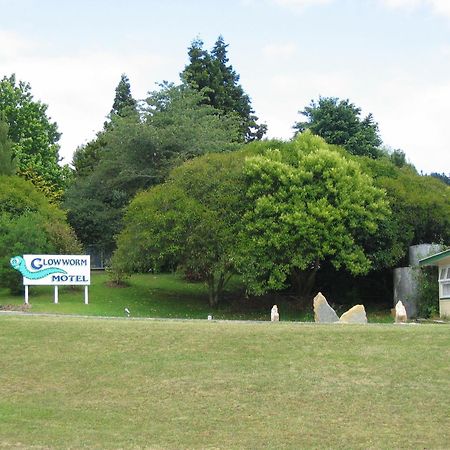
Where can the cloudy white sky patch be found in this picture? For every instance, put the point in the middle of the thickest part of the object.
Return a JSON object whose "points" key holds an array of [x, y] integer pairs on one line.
{"points": [[389, 57], [300, 4], [437, 6]]}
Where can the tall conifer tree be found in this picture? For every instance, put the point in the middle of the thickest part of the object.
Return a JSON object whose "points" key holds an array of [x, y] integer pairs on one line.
{"points": [[124, 103], [210, 71]]}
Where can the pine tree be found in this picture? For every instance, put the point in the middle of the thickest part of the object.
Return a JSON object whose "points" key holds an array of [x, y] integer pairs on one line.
{"points": [[124, 103], [211, 73]]}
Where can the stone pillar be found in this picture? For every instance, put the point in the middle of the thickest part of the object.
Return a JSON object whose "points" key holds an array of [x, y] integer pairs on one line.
{"points": [[406, 288]]}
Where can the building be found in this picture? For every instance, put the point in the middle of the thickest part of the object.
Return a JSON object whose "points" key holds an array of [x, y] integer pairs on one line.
{"points": [[442, 260]]}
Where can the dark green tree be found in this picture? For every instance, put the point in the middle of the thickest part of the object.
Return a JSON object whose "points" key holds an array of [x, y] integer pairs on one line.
{"points": [[33, 134], [211, 73], [124, 103], [175, 125], [189, 223], [339, 123], [86, 157], [442, 176], [7, 161]]}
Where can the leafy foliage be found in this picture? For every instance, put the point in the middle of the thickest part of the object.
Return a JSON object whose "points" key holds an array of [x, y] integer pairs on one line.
{"points": [[339, 123], [123, 101], [273, 215], [442, 176], [210, 73], [309, 204], [189, 223], [428, 296], [138, 152], [33, 135], [86, 157], [420, 204], [29, 224], [7, 160]]}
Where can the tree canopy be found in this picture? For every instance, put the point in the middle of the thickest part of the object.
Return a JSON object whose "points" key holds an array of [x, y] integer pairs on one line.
{"points": [[7, 160], [338, 122], [174, 125], [210, 72], [33, 134], [272, 215], [309, 204], [189, 223], [124, 104]]}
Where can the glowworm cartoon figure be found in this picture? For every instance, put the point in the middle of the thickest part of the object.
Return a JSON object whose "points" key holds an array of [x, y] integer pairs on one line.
{"points": [[18, 263]]}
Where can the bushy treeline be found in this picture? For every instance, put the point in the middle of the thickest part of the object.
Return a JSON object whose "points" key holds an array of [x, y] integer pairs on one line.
{"points": [[281, 214], [175, 182]]}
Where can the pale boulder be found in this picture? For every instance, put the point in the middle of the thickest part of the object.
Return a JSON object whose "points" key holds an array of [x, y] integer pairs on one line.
{"points": [[357, 314], [400, 313], [274, 315], [323, 312]]}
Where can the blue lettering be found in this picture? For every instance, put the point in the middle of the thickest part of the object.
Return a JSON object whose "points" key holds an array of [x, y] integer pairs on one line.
{"points": [[36, 263], [72, 278]]}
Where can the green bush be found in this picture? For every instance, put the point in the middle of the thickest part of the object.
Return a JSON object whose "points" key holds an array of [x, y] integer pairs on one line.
{"points": [[428, 300], [29, 224]]}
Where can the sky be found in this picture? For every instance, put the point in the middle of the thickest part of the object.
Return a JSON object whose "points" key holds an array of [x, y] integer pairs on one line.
{"points": [[391, 58]]}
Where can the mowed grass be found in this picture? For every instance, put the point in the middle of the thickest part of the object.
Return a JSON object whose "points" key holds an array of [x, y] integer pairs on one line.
{"points": [[119, 383], [167, 296]]}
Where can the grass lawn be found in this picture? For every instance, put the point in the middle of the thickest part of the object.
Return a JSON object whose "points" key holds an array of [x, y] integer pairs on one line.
{"points": [[107, 383], [162, 295]]}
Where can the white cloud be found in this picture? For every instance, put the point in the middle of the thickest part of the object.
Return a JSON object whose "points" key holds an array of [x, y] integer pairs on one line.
{"points": [[280, 50], [402, 3], [300, 4], [412, 113], [13, 45], [441, 7], [79, 90]]}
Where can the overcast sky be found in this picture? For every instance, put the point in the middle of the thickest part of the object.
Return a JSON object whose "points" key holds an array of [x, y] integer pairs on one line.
{"points": [[389, 57]]}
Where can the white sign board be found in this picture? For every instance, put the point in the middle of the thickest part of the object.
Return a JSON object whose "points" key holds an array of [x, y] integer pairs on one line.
{"points": [[54, 270]]}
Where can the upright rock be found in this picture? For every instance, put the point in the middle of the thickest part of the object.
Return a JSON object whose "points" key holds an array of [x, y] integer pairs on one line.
{"points": [[400, 313], [357, 314], [274, 316], [323, 312]]}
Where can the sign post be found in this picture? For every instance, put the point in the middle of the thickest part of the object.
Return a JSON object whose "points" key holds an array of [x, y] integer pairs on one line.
{"points": [[54, 270]]}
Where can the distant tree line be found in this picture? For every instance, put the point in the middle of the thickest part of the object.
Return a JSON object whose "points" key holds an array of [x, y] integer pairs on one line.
{"points": [[183, 180]]}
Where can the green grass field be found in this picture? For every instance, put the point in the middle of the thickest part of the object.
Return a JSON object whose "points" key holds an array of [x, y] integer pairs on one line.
{"points": [[164, 295], [119, 383]]}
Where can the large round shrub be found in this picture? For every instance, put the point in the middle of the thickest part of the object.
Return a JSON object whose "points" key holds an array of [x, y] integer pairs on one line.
{"points": [[29, 224]]}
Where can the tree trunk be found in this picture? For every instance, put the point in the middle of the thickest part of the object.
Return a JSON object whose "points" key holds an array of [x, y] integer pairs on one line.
{"points": [[303, 280], [213, 298], [216, 286]]}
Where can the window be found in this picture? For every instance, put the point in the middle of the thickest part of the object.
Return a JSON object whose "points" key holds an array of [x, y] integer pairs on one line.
{"points": [[444, 282]]}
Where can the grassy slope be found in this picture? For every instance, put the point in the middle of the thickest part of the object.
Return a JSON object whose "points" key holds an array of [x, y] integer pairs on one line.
{"points": [[68, 382], [163, 295]]}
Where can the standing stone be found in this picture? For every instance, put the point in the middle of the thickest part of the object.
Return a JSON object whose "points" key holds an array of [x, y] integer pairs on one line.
{"points": [[274, 316], [357, 314], [400, 313], [323, 312]]}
